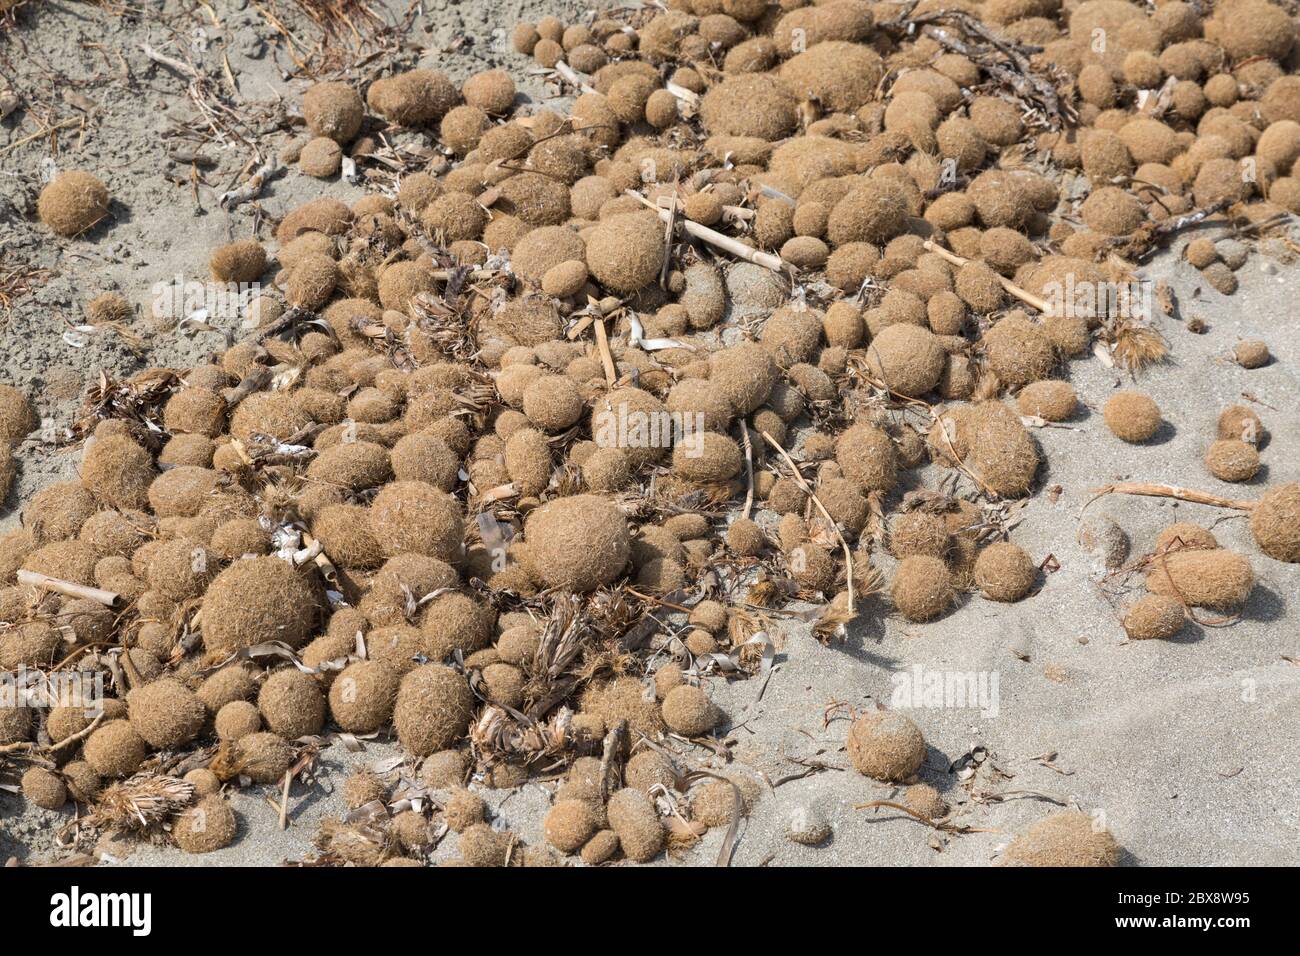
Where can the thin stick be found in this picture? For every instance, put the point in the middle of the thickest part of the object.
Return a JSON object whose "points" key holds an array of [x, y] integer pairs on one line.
{"points": [[573, 77], [749, 470], [614, 741], [171, 62], [1171, 491], [1041, 304], [45, 132], [606, 357], [662, 603], [934, 824], [79, 735], [668, 244], [252, 188], [37, 580], [284, 800], [803, 483], [714, 238]]}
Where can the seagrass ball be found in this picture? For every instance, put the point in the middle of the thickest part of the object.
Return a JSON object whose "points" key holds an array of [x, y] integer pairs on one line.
{"points": [[1004, 572], [258, 600], [922, 588], [886, 745], [291, 704], [115, 749], [1214, 578], [362, 697], [417, 517], [237, 719], [264, 757], [208, 825], [688, 711], [1275, 522], [44, 789], [73, 203], [433, 709], [1065, 838], [578, 543], [1230, 459], [1132, 416], [165, 713], [633, 817], [568, 825], [1154, 617]]}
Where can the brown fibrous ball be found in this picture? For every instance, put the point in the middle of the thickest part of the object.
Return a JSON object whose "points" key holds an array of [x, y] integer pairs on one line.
{"points": [[1004, 572], [1132, 416], [886, 745], [1275, 522], [1067, 838], [922, 588], [73, 203], [1154, 617]]}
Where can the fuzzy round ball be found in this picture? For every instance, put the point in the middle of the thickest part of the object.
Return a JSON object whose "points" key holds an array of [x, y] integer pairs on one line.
{"points": [[291, 704], [754, 105], [44, 788], [918, 532], [1251, 353], [1004, 572], [258, 600], [569, 824], [1275, 522], [412, 98], [689, 712], [433, 709], [579, 543], [115, 749], [1019, 351], [165, 713], [922, 588], [906, 358], [334, 110], [1214, 578], [411, 516], [208, 825], [1068, 838], [553, 402], [1050, 400], [867, 457], [633, 817], [746, 374], [1154, 617], [118, 472], [73, 203], [1230, 459], [624, 253], [1132, 416], [886, 745], [237, 719]]}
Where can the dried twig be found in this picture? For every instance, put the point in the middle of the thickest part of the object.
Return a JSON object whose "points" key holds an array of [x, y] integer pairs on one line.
{"points": [[37, 580], [606, 356], [802, 482], [1039, 303], [1171, 491], [252, 187], [749, 470], [727, 244]]}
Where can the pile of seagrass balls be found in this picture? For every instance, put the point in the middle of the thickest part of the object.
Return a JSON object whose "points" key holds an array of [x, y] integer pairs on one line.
{"points": [[384, 437]]}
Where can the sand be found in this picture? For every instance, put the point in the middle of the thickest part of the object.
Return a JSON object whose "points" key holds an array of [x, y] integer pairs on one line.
{"points": [[1187, 746]]}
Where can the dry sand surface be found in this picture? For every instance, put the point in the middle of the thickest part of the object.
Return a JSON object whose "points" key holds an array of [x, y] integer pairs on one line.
{"points": [[1188, 746]]}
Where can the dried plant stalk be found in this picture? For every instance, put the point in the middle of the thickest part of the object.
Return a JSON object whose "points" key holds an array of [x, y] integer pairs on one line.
{"points": [[1172, 491], [1023, 295]]}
